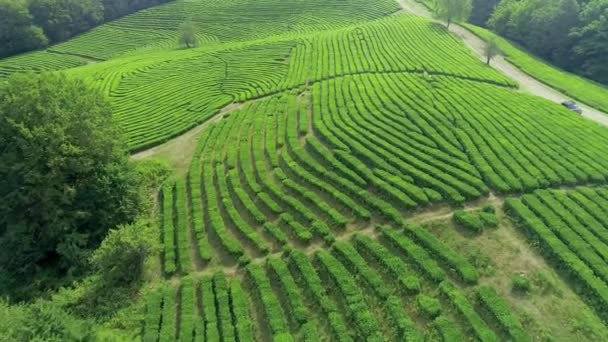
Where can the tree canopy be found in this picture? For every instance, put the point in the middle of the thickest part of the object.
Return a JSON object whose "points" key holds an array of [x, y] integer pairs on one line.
{"points": [[32, 24], [482, 10], [61, 19], [491, 50], [17, 30], [65, 179], [452, 10], [591, 40], [187, 35], [571, 34]]}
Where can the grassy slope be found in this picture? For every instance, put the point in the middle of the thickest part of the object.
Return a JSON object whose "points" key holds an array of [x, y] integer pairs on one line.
{"points": [[551, 309], [584, 90]]}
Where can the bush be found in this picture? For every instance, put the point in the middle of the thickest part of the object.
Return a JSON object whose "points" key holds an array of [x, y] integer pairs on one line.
{"points": [[489, 220], [120, 258], [521, 284], [428, 306], [489, 208], [468, 220], [42, 321]]}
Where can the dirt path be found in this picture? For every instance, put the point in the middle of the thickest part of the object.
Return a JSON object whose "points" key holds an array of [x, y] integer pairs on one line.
{"points": [[526, 82], [178, 151]]}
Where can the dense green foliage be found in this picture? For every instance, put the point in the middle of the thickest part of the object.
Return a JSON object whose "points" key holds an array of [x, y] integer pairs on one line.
{"points": [[569, 33], [452, 10], [61, 19], [31, 24], [65, 180], [41, 321], [482, 10], [120, 257], [17, 30]]}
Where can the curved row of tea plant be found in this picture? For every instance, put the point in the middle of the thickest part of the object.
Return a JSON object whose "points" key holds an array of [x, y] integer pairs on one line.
{"points": [[351, 291], [570, 230]]}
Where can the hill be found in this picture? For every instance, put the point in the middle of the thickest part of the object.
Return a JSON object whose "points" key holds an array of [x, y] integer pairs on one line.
{"points": [[361, 175]]}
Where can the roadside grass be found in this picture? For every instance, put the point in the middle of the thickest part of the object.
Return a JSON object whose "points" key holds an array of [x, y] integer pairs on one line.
{"points": [[579, 88]]}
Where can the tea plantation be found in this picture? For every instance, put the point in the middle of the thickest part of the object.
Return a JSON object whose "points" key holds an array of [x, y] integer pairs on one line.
{"points": [[340, 137]]}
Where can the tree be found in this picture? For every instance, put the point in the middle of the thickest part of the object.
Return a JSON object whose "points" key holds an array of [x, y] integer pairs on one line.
{"points": [[452, 10], [542, 26], [61, 19], [591, 40], [65, 180], [187, 35], [482, 10], [17, 30], [120, 259], [491, 50]]}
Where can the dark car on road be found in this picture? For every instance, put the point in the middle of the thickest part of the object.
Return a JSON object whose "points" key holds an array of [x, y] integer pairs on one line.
{"points": [[572, 106]]}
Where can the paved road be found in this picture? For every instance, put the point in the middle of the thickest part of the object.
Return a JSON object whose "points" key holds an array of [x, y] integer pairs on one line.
{"points": [[526, 82]]}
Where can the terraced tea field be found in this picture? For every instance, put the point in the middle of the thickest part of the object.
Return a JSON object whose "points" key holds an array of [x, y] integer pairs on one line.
{"points": [[361, 175]]}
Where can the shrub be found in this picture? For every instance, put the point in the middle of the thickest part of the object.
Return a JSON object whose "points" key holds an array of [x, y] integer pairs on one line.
{"points": [[489, 208], [428, 306], [120, 258], [521, 284], [489, 220], [468, 220]]}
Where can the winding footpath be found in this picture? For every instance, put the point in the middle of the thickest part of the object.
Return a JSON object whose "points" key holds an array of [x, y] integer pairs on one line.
{"points": [[525, 81]]}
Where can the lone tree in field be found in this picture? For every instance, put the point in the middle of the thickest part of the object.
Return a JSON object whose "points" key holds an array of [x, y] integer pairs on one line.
{"points": [[491, 50], [187, 35], [452, 10], [65, 180]]}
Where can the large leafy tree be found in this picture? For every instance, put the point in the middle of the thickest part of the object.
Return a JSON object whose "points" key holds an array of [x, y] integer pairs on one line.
{"points": [[17, 30], [187, 35], [591, 40], [542, 26], [452, 10], [61, 19], [64, 180], [482, 10]]}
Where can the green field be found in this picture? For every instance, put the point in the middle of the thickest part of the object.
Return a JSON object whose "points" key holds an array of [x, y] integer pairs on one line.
{"points": [[362, 176]]}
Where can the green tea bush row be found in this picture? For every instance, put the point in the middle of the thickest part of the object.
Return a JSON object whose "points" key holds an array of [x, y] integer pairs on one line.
{"points": [[182, 226], [239, 304], [187, 314], [501, 311], [168, 228], [414, 252], [592, 287], [209, 309], [222, 302], [194, 187], [357, 309], [305, 273], [392, 264], [168, 329], [466, 310], [296, 310], [153, 317], [275, 317], [453, 260]]}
